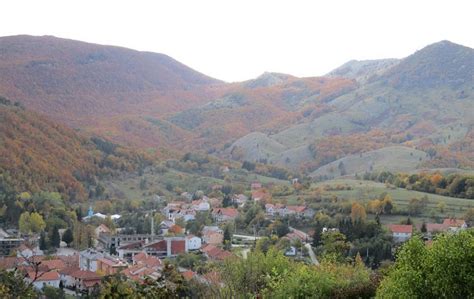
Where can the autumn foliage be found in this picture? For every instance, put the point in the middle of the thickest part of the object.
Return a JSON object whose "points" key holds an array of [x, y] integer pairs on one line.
{"points": [[40, 155]]}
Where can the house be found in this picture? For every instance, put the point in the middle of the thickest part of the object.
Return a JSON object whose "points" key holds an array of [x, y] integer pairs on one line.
{"points": [[146, 259], [102, 229], [41, 279], [27, 252], [300, 211], [140, 272], [454, 225], [109, 266], [165, 225], [255, 186], [200, 205], [169, 247], [128, 251], [193, 242], [215, 253], [261, 194], [212, 235], [240, 199], [291, 251], [144, 266], [65, 276], [224, 214], [295, 234], [187, 215], [434, 228], [53, 265], [88, 259], [401, 232], [81, 279], [275, 209]]}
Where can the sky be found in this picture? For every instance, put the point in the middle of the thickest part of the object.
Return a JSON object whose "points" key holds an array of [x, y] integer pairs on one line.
{"points": [[239, 40]]}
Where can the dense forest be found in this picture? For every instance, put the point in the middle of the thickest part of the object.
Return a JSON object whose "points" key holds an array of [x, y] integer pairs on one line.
{"points": [[40, 155]]}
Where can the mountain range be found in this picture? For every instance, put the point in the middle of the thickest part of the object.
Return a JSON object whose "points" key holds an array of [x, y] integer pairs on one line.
{"points": [[390, 114]]}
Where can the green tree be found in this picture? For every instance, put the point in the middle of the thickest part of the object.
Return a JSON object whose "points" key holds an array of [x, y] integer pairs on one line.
{"points": [[53, 293], [228, 236], [43, 243], [443, 270], [55, 238], [335, 244], [68, 237], [13, 285], [31, 223]]}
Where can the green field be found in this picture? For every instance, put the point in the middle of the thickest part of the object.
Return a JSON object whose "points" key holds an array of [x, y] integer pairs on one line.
{"points": [[363, 191], [158, 183]]}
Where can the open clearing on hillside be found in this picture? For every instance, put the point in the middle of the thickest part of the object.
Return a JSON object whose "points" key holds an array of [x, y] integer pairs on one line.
{"points": [[366, 190], [391, 158]]}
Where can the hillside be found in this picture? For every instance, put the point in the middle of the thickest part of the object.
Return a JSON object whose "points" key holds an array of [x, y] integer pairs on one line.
{"points": [[268, 103], [38, 154], [363, 70], [443, 63], [433, 115], [88, 86], [150, 101], [391, 158]]}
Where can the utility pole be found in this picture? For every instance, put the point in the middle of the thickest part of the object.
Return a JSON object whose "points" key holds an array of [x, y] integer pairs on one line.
{"points": [[152, 224]]}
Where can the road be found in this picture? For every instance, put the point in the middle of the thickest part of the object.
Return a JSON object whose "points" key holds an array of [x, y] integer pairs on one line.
{"points": [[314, 260]]}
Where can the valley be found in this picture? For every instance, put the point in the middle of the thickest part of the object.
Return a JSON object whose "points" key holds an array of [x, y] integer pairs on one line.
{"points": [[124, 169]]}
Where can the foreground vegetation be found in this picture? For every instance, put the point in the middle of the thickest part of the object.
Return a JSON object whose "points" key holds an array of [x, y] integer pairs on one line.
{"points": [[443, 269]]}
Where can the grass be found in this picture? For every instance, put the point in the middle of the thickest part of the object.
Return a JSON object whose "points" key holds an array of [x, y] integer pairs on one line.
{"points": [[363, 191], [129, 187]]}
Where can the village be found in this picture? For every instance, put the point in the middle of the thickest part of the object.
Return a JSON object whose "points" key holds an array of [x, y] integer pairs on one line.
{"points": [[140, 256]]}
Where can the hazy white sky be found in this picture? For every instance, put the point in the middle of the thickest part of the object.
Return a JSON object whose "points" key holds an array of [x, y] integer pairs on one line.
{"points": [[239, 40]]}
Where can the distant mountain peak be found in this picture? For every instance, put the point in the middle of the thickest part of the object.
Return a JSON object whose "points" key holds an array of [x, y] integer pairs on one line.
{"points": [[362, 70], [268, 79], [442, 63]]}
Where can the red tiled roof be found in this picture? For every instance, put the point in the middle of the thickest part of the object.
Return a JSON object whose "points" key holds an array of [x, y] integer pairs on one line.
{"points": [[216, 253], [91, 282], [68, 270], [85, 275], [70, 260], [44, 276], [229, 212], [297, 209], [401, 228], [110, 262], [435, 227], [141, 256], [10, 262], [144, 258], [55, 264], [454, 222], [188, 275]]}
